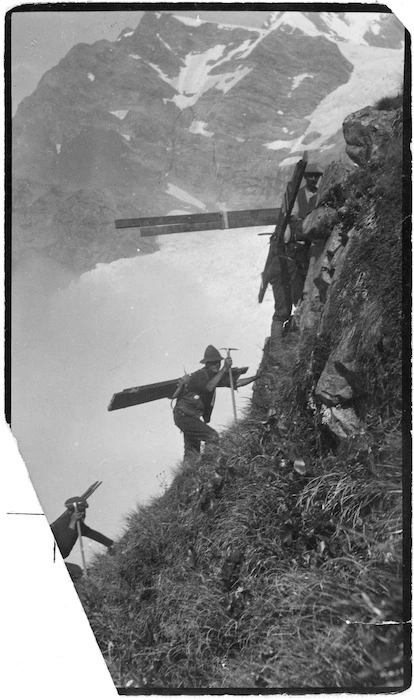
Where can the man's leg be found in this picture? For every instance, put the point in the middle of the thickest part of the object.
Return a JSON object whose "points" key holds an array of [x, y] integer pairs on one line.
{"points": [[75, 572], [282, 289], [299, 275], [282, 294], [195, 431], [191, 446]]}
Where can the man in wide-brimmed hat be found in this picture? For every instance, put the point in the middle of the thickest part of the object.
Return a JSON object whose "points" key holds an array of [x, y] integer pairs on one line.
{"points": [[65, 532], [196, 401], [290, 264]]}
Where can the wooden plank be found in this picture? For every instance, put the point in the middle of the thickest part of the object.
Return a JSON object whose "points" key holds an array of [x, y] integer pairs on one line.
{"points": [[173, 219], [182, 223], [143, 394], [160, 390], [252, 217], [235, 219], [180, 228], [283, 220]]}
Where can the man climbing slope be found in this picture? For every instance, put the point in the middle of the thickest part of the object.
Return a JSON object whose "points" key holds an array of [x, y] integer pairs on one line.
{"points": [[196, 400], [65, 532], [291, 260]]}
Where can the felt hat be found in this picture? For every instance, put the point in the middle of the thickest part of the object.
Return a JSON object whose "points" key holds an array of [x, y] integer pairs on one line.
{"points": [[211, 354], [314, 169], [81, 504]]}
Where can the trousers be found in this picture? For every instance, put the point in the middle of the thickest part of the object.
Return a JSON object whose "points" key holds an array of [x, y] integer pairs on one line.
{"points": [[287, 282], [75, 572], [195, 432]]}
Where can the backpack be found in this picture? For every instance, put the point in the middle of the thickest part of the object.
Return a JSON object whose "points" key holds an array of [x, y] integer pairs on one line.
{"points": [[187, 401], [181, 387]]}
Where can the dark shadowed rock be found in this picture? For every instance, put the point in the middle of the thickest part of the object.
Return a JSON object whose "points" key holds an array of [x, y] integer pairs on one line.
{"points": [[319, 223], [332, 185], [334, 385]]}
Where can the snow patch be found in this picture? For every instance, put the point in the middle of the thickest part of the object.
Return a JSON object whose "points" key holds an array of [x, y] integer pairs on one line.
{"points": [[184, 196], [352, 26], [167, 46], [279, 111], [91, 77], [298, 79], [340, 26], [120, 113], [239, 139], [197, 127], [134, 55], [278, 145], [189, 21], [126, 137], [377, 72], [194, 79], [162, 75], [245, 48], [195, 76], [295, 20], [287, 162], [127, 34], [58, 147]]}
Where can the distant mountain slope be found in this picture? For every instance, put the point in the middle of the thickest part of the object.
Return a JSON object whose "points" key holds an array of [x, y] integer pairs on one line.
{"points": [[212, 110]]}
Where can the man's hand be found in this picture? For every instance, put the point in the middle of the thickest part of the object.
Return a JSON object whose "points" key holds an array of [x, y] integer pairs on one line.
{"points": [[227, 363], [75, 517]]}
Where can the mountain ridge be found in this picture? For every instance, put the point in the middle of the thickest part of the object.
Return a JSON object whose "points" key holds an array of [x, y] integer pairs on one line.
{"points": [[219, 113]]}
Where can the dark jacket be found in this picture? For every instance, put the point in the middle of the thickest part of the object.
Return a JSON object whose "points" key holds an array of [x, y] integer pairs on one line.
{"points": [[305, 206], [66, 538], [196, 401]]}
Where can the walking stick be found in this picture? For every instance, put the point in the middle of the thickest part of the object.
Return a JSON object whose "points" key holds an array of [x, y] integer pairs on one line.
{"points": [[78, 525], [233, 398]]}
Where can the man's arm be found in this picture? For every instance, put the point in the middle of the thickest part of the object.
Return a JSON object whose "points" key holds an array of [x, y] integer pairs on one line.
{"points": [[95, 535], [246, 380], [64, 534], [215, 380]]}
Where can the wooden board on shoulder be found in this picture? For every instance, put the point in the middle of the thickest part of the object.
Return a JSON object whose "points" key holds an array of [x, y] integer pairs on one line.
{"points": [[160, 390]]}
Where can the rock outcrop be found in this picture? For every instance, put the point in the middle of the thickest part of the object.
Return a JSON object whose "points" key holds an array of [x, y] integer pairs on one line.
{"points": [[332, 227]]}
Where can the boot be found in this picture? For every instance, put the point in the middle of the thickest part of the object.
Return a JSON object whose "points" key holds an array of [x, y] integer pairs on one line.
{"points": [[276, 355]]}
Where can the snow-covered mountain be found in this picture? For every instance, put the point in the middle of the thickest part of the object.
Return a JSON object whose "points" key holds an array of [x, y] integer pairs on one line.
{"points": [[184, 115]]}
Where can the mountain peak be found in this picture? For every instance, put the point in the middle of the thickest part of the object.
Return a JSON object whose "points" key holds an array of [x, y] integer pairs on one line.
{"points": [[364, 28]]}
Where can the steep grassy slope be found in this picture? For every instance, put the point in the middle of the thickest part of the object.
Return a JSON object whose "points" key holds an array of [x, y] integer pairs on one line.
{"points": [[251, 573]]}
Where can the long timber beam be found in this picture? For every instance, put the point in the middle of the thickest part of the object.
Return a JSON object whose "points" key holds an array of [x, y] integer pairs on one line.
{"points": [[181, 223]]}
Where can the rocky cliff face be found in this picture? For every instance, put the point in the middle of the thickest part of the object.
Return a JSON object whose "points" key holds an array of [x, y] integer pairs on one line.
{"points": [[351, 307], [176, 114]]}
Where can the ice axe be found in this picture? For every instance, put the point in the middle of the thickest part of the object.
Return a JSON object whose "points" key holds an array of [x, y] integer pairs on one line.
{"points": [[78, 525], [73, 503], [231, 382]]}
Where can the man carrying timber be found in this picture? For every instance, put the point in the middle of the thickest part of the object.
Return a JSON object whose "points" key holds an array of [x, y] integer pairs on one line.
{"points": [[290, 262], [196, 401], [65, 532]]}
